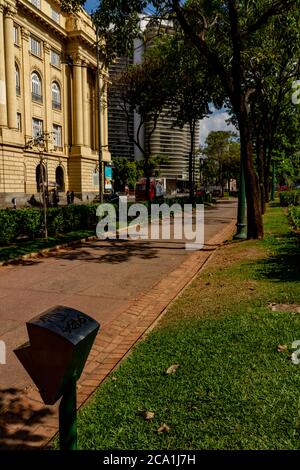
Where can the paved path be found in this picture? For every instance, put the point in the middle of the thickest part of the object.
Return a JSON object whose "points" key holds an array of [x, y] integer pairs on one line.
{"points": [[125, 285]]}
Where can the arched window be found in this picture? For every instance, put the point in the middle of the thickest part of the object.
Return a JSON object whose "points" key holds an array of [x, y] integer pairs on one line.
{"points": [[17, 74], [56, 96], [36, 87], [60, 180]]}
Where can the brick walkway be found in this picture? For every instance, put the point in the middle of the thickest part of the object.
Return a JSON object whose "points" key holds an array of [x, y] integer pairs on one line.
{"points": [[25, 422]]}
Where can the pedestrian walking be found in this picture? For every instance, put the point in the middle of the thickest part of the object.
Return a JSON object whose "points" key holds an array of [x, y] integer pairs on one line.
{"points": [[72, 196], [68, 197], [14, 202]]}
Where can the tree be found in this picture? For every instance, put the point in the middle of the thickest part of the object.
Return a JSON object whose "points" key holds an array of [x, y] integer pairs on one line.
{"points": [[139, 93], [222, 156], [221, 31], [188, 89], [225, 33], [125, 173]]}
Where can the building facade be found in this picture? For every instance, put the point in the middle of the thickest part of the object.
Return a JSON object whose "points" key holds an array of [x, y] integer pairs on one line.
{"points": [[120, 124], [48, 87]]}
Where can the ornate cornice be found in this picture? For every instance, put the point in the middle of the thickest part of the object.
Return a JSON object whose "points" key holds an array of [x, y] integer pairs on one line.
{"points": [[25, 33]]}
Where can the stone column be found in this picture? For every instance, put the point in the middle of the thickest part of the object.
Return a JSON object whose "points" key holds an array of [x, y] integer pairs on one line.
{"points": [[3, 111], [77, 99], [85, 110], [26, 84], [10, 67], [105, 117], [47, 99]]}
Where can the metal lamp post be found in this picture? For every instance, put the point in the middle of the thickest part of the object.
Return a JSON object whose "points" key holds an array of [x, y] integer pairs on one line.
{"points": [[241, 233], [100, 159], [39, 142]]}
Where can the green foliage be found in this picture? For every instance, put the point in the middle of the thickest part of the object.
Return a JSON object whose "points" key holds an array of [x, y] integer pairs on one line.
{"points": [[289, 198], [8, 226], [294, 213], [30, 222], [55, 221], [125, 172], [222, 153]]}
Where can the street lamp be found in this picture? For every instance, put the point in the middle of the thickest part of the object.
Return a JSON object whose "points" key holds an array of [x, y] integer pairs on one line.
{"points": [[241, 233], [39, 143], [100, 159]]}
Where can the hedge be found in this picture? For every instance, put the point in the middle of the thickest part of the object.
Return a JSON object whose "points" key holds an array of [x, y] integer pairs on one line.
{"points": [[290, 198], [28, 222], [295, 216]]}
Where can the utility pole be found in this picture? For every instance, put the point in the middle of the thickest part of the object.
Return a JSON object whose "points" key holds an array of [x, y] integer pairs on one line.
{"points": [[100, 160]]}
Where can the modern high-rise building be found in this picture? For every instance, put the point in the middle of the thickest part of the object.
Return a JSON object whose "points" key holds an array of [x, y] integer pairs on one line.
{"points": [[48, 89], [120, 125]]}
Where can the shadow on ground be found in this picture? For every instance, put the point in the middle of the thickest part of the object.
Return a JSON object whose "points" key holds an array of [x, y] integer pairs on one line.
{"points": [[284, 265], [18, 419]]}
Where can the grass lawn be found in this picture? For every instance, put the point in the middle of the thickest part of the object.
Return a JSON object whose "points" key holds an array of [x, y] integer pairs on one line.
{"points": [[15, 250], [232, 389]]}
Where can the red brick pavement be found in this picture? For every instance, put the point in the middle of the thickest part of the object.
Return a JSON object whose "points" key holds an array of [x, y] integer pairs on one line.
{"points": [[28, 423]]}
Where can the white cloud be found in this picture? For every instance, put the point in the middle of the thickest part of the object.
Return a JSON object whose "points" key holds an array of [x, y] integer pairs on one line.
{"points": [[216, 122]]}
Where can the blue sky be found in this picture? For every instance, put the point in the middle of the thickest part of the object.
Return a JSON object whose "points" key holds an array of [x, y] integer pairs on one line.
{"points": [[215, 122], [91, 5]]}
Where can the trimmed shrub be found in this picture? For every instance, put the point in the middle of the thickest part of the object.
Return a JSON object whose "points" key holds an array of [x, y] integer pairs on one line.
{"points": [[55, 221], [72, 218], [29, 222], [8, 226], [290, 198], [295, 216]]}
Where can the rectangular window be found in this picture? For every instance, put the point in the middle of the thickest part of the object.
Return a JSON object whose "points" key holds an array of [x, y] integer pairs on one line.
{"points": [[16, 35], [35, 46], [55, 58], [37, 127], [36, 3], [57, 133], [19, 123], [55, 15]]}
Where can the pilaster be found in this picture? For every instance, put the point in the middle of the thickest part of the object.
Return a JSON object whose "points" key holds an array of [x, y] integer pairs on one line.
{"points": [[85, 110], [47, 90], [3, 110], [9, 14], [26, 84], [77, 99]]}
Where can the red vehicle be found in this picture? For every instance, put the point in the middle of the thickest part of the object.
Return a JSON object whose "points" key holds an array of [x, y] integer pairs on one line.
{"points": [[140, 190]]}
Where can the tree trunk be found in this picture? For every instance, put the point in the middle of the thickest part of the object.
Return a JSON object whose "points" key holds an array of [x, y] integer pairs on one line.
{"points": [[254, 215], [260, 170]]}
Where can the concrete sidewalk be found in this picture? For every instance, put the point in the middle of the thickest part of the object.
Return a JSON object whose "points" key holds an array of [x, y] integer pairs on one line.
{"points": [[125, 285]]}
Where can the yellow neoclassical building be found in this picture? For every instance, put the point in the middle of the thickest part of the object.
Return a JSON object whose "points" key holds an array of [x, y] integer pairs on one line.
{"points": [[48, 86]]}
